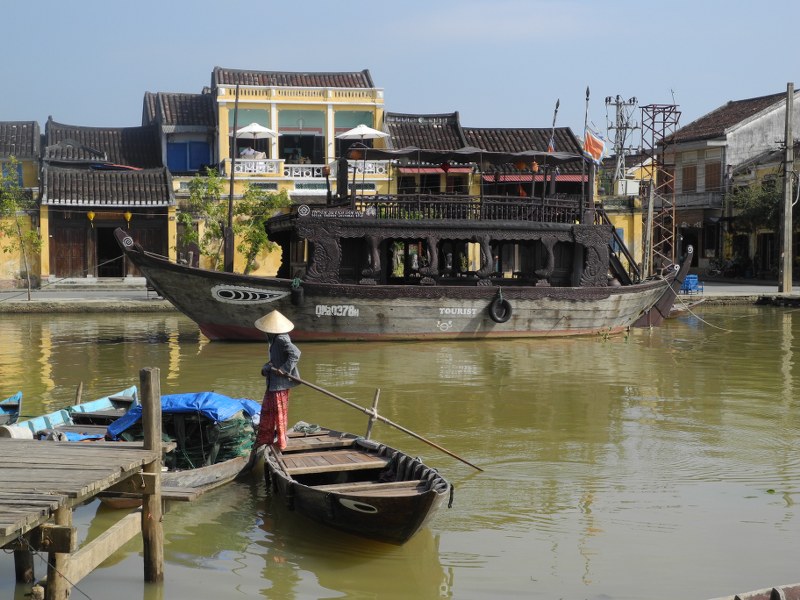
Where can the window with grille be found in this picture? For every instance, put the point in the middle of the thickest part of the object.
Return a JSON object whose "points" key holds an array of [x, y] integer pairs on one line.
{"points": [[713, 178], [689, 183]]}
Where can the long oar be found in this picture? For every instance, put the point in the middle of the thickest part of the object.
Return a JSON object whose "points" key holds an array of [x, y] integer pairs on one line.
{"points": [[375, 415]]}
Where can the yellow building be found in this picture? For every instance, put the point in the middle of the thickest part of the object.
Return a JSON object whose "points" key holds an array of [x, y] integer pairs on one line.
{"points": [[303, 113], [19, 143]]}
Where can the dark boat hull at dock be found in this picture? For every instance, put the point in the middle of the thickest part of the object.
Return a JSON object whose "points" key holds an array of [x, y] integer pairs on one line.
{"points": [[355, 485]]}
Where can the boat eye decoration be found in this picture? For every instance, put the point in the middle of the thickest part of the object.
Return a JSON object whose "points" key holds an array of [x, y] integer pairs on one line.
{"points": [[358, 506], [127, 241], [237, 294], [303, 210]]}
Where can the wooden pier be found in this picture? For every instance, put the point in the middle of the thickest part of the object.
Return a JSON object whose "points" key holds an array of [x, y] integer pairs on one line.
{"points": [[42, 481]]}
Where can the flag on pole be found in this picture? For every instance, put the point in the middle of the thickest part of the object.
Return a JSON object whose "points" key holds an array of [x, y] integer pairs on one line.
{"points": [[593, 146]]}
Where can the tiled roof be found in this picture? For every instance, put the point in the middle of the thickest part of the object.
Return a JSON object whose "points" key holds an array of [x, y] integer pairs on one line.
{"points": [[130, 146], [431, 132], [120, 188], [522, 140], [178, 109], [718, 121], [356, 79], [20, 139]]}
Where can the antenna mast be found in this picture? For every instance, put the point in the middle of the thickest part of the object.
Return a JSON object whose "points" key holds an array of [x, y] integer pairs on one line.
{"points": [[622, 127]]}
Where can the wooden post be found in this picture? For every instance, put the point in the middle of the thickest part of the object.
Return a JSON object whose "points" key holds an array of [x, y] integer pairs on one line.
{"points": [[374, 416], [58, 588], [152, 528], [23, 566]]}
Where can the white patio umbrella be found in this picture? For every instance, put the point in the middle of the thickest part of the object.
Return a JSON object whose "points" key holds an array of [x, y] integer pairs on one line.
{"points": [[361, 132], [255, 131]]}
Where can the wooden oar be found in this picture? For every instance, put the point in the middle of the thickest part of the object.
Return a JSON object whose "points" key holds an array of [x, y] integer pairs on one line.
{"points": [[373, 414]]}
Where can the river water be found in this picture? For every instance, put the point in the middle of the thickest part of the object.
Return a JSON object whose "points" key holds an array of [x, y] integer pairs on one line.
{"points": [[660, 464]]}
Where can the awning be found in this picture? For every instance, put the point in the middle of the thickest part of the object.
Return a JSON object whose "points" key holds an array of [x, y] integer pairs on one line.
{"points": [[433, 170], [522, 177]]}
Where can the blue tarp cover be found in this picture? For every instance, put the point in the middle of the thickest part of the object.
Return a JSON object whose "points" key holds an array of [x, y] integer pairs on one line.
{"points": [[210, 404]]}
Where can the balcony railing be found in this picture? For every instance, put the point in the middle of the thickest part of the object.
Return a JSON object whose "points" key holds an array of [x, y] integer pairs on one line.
{"points": [[365, 167], [276, 168], [563, 209], [260, 166]]}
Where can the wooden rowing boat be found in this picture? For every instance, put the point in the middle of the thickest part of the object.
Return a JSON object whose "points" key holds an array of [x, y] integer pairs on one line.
{"points": [[9, 409], [83, 421], [213, 436], [355, 485]]}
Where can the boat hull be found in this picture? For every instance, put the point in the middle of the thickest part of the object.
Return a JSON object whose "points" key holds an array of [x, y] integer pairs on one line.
{"points": [[389, 504], [226, 305]]}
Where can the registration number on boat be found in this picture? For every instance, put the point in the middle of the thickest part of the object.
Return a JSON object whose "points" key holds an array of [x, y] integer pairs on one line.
{"points": [[336, 310]]}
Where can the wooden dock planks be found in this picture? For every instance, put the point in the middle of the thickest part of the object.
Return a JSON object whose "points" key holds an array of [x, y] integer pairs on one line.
{"points": [[38, 477]]}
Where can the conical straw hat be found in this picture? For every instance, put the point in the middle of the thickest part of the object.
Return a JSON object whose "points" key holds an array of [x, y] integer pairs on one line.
{"points": [[274, 323]]}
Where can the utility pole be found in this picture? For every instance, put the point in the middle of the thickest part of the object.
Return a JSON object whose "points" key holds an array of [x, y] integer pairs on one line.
{"points": [[227, 238], [785, 283], [622, 128]]}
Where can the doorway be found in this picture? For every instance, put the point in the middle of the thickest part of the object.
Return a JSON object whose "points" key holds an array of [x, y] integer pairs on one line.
{"points": [[109, 254]]}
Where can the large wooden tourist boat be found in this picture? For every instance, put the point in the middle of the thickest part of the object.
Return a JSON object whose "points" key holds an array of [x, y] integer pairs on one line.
{"points": [[355, 484], [428, 266]]}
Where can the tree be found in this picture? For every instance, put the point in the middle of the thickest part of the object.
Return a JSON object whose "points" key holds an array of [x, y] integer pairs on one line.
{"points": [[250, 213], [15, 204], [758, 206]]}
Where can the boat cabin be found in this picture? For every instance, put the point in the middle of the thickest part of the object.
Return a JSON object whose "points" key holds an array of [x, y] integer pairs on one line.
{"points": [[431, 240]]}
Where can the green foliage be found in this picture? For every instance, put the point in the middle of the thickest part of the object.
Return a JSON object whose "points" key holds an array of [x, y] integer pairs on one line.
{"points": [[250, 213], [758, 206], [15, 202]]}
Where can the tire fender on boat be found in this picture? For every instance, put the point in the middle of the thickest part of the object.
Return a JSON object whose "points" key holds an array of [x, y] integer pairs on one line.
{"points": [[500, 309]]}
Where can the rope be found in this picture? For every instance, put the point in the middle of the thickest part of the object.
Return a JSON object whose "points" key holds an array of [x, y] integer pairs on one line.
{"points": [[696, 316], [51, 565], [49, 283]]}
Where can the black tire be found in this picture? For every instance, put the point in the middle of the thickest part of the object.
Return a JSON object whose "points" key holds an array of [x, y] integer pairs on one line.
{"points": [[500, 310]]}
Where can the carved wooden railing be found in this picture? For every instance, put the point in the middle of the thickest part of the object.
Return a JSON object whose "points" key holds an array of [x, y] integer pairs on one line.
{"points": [[562, 209]]}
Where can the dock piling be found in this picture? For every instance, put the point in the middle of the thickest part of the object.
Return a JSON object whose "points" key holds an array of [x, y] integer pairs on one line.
{"points": [[152, 527]]}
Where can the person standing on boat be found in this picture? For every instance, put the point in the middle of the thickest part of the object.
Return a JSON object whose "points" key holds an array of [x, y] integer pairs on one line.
{"points": [[283, 359]]}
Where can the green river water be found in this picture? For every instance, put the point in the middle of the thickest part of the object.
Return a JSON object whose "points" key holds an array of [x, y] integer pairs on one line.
{"points": [[661, 464]]}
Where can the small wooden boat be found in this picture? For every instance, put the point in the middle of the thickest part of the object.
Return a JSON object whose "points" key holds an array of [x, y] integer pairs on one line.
{"points": [[84, 421], [355, 485], [213, 436], [9, 409]]}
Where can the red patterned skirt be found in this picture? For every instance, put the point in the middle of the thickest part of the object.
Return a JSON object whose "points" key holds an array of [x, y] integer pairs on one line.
{"points": [[274, 415]]}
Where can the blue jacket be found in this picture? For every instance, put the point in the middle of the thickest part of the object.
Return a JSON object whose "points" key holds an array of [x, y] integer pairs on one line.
{"points": [[283, 355]]}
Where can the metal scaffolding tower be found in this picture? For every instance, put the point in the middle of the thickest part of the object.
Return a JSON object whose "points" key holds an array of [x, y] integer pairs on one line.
{"points": [[622, 128], [659, 123]]}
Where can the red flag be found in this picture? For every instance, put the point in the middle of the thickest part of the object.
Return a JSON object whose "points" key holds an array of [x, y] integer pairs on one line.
{"points": [[593, 146]]}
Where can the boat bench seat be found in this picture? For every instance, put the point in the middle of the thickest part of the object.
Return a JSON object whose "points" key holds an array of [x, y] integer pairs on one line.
{"points": [[332, 461], [304, 444], [98, 417], [378, 488]]}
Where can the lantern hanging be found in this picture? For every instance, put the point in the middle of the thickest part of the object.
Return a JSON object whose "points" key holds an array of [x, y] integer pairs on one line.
{"points": [[128, 216], [90, 216]]}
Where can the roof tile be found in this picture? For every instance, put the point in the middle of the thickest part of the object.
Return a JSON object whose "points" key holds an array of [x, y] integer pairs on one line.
{"points": [[357, 79], [718, 121], [20, 139], [130, 146], [90, 187]]}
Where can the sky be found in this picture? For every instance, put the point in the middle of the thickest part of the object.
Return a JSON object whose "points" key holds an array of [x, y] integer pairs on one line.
{"points": [[499, 63]]}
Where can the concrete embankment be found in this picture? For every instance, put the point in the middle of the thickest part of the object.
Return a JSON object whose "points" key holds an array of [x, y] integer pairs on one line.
{"points": [[86, 306]]}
